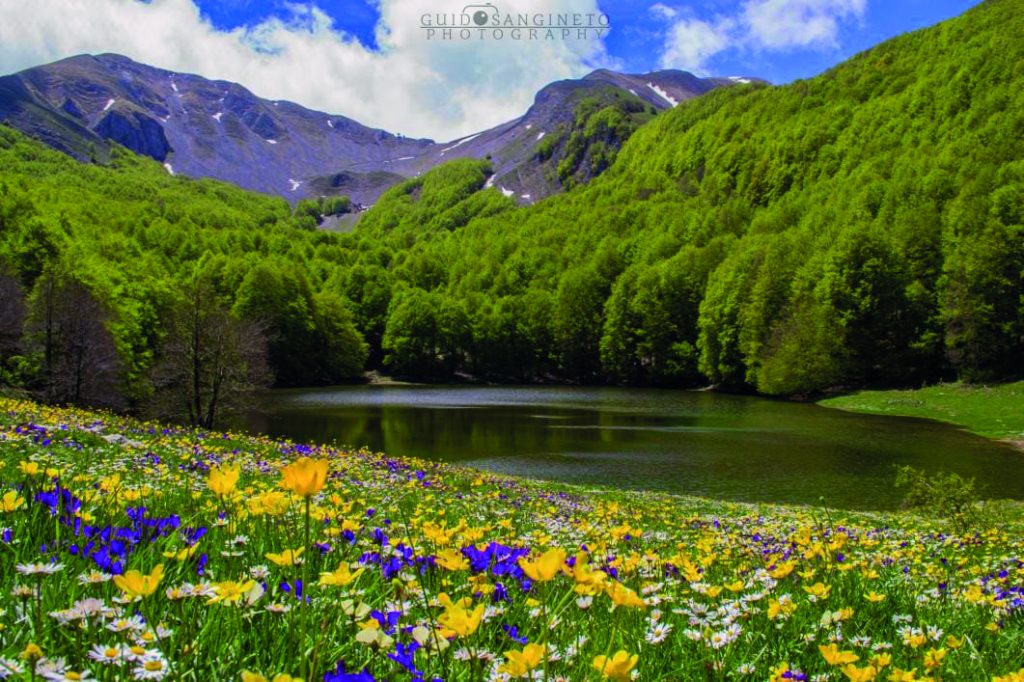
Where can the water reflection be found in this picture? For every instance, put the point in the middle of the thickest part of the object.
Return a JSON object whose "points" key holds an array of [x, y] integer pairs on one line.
{"points": [[728, 447]]}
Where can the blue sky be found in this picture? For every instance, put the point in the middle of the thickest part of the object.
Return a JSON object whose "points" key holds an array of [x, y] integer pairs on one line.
{"points": [[638, 35], [371, 61]]}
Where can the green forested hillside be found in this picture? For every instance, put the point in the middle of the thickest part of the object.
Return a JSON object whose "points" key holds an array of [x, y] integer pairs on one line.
{"points": [[860, 228], [127, 238]]}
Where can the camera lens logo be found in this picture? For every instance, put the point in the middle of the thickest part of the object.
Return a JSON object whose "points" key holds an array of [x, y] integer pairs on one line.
{"points": [[481, 14]]}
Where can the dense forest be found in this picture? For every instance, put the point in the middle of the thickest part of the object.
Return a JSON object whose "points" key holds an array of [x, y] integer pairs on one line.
{"points": [[865, 227]]}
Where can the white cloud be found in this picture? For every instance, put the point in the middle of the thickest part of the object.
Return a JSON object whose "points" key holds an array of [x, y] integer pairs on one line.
{"points": [[691, 43], [798, 23], [659, 9], [411, 85]]}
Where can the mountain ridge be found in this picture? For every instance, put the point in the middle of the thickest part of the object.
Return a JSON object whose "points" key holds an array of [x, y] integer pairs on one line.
{"points": [[219, 129]]}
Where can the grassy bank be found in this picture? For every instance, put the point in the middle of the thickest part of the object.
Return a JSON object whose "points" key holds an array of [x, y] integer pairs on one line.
{"points": [[256, 563], [992, 411]]}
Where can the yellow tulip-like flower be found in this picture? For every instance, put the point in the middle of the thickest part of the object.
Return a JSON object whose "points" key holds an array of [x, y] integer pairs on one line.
{"points": [[587, 577], [520, 663], [618, 667], [136, 584], [833, 656], [289, 557], [223, 479], [953, 643], [11, 501], [30, 468], [933, 658], [818, 590], [855, 674], [305, 476], [623, 596], [31, 652], [545, 567], [230, 591], [782, 570], [461, 622], [452, 560], [874, 597], [341, 577]]}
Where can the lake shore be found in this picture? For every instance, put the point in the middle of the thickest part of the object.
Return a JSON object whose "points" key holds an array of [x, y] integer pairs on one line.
{"points": [[995, 412]]}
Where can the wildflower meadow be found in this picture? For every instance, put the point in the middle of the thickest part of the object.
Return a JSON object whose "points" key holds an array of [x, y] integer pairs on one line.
{"points": [[138, 551]]}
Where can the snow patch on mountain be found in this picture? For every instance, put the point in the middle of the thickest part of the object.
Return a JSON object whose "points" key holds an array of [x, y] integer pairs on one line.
{"points": [[506, 192], [460, 143], [216, 117], [170, 168], [540, 135], [110, 103], [664, 95], [295, 184]]}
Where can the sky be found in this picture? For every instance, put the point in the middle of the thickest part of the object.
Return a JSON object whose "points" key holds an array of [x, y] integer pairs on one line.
{"points": [[372, 60]]}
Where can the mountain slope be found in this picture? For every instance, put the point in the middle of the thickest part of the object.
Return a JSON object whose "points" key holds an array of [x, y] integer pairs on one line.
{"points": [[204, 128]]}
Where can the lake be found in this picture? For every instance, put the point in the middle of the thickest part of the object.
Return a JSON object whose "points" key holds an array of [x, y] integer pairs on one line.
{"points": [[698, 443]]}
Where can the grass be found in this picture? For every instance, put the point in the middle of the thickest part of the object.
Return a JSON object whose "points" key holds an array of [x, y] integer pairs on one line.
{"points": [[419, 570], [993, 411]]}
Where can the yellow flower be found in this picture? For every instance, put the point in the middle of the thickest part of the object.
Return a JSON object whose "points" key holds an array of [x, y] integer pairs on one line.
{"points": [[11, 501], [855, 674], [31, 652], [618, 667], [341, 577], [29, 468], [623, 596], [231, 591], [545, 567], [520, 663], [782, 570], [953, 643], [289, 557], [933, 658], [136, 584], [305, 476], [874, 597], [461, 622], [223, 479], [587, 577], [452, 560], [833, 656], [898, 675], [818, 590]]}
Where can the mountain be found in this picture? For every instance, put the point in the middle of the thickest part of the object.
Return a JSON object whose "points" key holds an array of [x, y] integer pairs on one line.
{"points": [[203, 128]]}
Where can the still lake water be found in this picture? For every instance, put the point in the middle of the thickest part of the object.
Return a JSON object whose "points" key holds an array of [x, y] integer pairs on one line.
{"points": [[727, 447]]}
